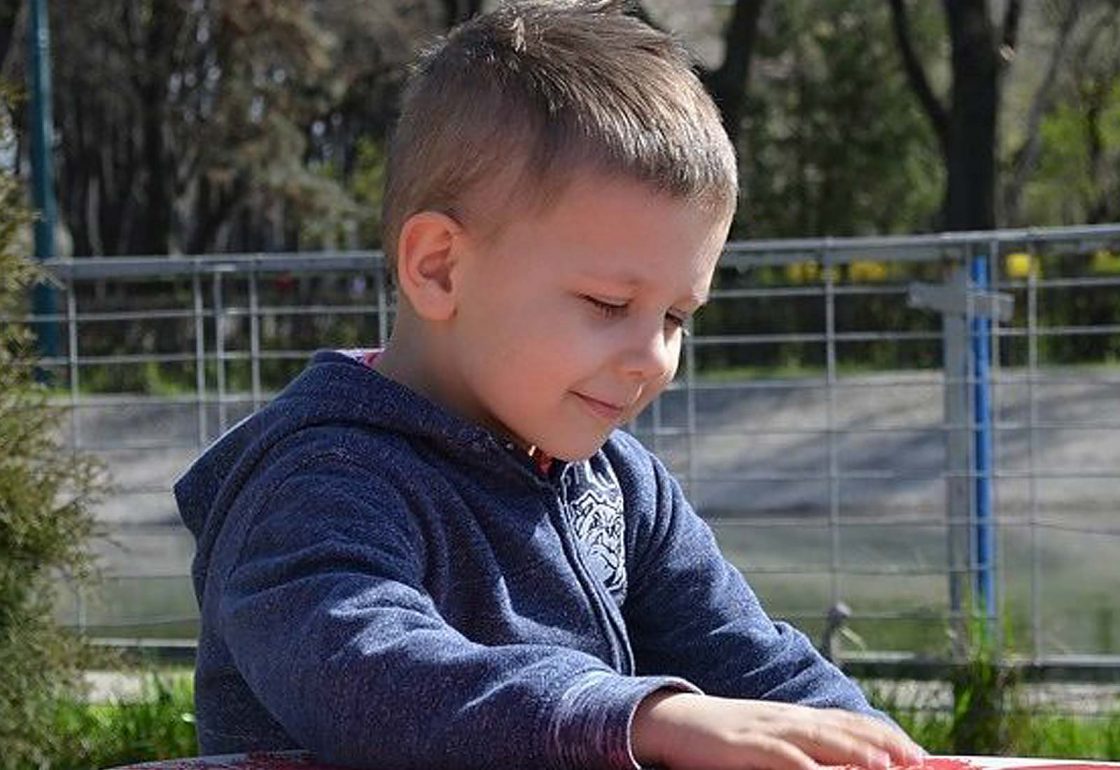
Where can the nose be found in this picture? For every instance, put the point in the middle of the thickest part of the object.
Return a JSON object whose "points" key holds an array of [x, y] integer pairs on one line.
{"points": [[650, 356]]}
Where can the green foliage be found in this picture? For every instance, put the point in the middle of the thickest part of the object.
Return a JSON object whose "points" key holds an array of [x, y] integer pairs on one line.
{"points": [[367, 186], [157, 725], [160, 725], [45, 498], [1042, 734], [987, 715], [1039, 733], [990, 714], [835, 142], [1076, 179]]}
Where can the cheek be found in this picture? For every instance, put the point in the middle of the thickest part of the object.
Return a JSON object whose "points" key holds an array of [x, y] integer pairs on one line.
{"points": [[652, 390]]}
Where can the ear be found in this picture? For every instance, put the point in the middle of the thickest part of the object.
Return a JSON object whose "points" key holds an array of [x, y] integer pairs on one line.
{"points": [[426, 260]]}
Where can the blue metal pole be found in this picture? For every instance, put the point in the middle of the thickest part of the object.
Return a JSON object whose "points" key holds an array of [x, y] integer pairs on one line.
{"points": [[984, 537], [42, 169]]}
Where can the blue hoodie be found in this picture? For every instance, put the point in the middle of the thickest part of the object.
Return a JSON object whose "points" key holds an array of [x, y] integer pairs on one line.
{"points": [[388, 585]]}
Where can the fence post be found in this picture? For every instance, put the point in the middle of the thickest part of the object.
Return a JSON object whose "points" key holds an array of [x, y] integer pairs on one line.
{"points": [[958, 497], [255, 334], [966, 308], [220, 347], [831, 377]]}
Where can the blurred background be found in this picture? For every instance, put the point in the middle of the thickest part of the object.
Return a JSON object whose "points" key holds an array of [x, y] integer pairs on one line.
{"points": [[202, 126], [900, 413]]}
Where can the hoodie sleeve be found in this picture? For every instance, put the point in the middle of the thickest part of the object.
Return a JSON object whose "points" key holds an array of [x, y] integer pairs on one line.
{"points": [[325, 615], [691, 612]]}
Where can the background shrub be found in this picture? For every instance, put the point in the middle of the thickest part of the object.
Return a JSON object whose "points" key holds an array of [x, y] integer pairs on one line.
{"points": [[46, 493]]}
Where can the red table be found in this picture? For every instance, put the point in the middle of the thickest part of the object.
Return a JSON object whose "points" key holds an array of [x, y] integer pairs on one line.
{"points": [[299, 760]]}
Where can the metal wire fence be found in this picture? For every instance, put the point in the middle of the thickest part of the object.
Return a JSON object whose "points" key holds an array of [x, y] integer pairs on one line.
{"points": [[830, 420]]}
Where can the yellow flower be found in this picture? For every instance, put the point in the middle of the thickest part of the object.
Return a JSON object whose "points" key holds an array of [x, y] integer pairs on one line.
{"points": [[1105, 261], [1020, 265], [803, 272], [866, 271]]}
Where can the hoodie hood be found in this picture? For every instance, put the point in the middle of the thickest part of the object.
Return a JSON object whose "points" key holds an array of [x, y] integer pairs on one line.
{"points": [[336, 388]]}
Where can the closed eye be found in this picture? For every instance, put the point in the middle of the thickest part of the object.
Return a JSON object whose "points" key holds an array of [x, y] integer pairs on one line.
{"points": [[677, 321], [605, 308]]}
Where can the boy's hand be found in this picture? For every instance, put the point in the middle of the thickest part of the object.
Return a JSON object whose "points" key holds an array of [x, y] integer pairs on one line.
{"points": [[683, 731]]}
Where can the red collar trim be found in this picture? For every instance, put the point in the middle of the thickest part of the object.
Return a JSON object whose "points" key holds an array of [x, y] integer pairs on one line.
{"points": [[543, 461]]}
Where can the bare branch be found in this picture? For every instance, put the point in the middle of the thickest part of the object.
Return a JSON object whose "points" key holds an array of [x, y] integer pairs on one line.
{"points": [[1026, 157], [1009, 35], [916, 74]]}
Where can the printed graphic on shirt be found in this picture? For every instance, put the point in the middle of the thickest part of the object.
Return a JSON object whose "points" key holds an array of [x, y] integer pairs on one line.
{"points": [[593, 502]]}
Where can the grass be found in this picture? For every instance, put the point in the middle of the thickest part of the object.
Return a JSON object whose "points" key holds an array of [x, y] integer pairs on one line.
{"points": [[160, 725], [1028, 734], [988, 712], [157, 725]]}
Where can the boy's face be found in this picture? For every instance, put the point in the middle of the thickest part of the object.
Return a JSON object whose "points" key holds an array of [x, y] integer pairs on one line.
{"points": [[568, 323]]}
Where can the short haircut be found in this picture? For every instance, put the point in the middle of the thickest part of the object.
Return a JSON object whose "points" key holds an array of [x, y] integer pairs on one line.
{"points": [[529, 94]]}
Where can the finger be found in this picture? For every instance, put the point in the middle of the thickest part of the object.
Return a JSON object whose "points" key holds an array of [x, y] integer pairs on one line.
{"points": [[770, 753], [885, 737], [832, 743]]}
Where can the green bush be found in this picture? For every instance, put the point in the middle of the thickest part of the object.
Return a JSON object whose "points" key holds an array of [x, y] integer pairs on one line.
{"points": [[45, 497], [157, 725]]}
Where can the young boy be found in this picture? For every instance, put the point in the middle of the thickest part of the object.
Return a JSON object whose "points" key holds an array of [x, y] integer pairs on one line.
{"points": [[446, 554]]}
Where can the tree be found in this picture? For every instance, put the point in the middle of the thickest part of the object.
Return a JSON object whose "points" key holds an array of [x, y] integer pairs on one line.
{"points": [[46, 493], [833, 143], [219, 124], [1022, 163], [1076, 155], [728, 82], [966, 125]]}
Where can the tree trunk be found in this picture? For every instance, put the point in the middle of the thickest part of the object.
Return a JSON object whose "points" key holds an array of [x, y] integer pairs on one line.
{"points": [[155, 233], [971, 159], [13, 26], [728, 84]]}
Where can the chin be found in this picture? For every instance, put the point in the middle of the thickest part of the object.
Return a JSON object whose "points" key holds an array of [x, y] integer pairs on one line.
{"points": [[576, 453]]}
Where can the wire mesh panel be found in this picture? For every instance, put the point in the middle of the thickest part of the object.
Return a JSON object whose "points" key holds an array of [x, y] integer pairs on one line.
{"points": [[811, 423]]}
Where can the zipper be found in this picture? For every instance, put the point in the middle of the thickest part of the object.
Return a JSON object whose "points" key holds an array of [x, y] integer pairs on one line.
{"points": [[607, 612], [604, 608]]}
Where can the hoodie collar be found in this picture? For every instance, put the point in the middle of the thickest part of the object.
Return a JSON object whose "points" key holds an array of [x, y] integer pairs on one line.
{"points": [[347, 387]]}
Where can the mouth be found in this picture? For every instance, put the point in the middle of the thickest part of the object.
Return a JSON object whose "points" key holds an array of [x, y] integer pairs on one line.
{"points": [[603, 409]]}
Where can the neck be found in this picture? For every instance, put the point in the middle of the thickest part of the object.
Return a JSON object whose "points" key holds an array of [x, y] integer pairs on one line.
{"points": [[412, 357], [420, 358]]}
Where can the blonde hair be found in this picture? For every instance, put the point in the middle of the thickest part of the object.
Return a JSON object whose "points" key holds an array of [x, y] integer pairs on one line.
{"points": [[533, 92]]}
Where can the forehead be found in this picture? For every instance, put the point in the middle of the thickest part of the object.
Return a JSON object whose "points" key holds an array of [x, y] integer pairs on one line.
{"points": [[519, 188], [622, 232]]}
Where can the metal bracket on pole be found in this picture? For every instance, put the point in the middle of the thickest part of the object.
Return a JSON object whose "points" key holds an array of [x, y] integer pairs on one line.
{"points": [[949, 299]]}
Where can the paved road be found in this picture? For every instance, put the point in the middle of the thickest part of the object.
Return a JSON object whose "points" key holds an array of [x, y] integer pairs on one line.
{"points": [[761, 463]]}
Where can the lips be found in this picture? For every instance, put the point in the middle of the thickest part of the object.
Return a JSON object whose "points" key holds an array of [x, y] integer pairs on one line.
{"points": [[602, 409]]}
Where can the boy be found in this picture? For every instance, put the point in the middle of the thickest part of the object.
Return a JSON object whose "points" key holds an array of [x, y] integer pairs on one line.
{"points": [[445, 554]]}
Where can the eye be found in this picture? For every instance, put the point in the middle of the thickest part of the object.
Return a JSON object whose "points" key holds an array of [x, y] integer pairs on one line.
{"points": [[606, 308], [678, 322]]}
